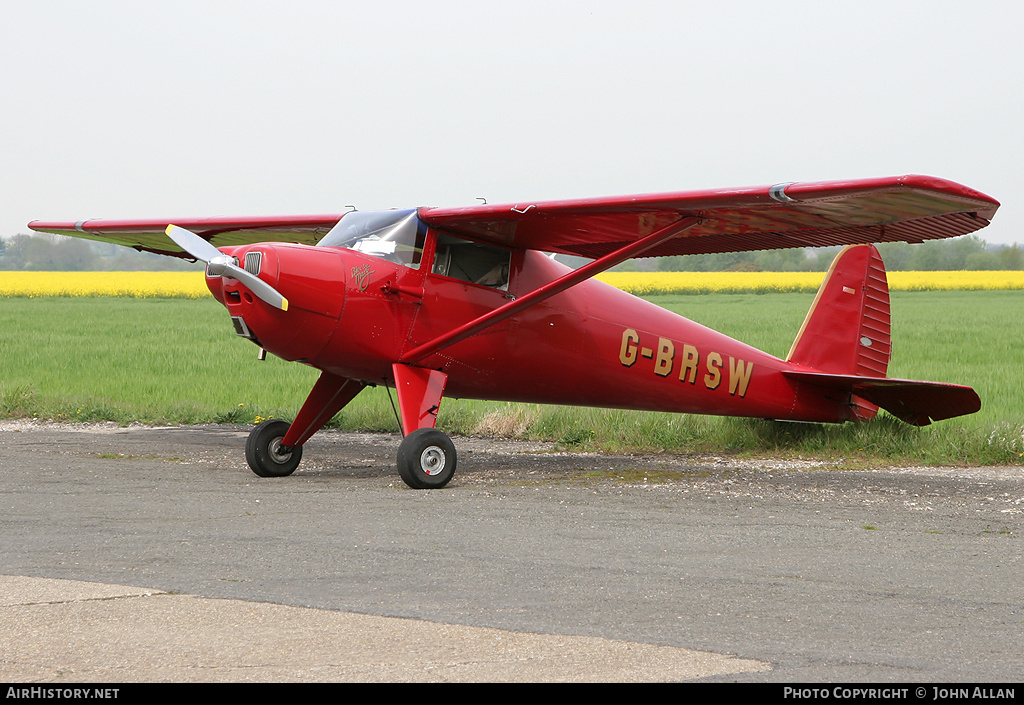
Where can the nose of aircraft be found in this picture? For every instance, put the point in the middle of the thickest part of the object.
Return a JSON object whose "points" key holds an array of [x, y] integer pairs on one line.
{"points": [[310, 280], [221, 264]]}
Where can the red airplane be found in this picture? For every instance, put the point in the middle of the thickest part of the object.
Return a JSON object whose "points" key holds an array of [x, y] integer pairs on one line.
{"points": [[468, 302]]}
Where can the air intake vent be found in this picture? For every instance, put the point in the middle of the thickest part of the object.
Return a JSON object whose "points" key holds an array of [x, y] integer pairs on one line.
{"points": [[242, 329], [253, 261]]}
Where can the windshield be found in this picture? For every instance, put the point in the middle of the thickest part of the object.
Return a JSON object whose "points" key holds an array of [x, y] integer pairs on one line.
{"points": [[396, 236]]}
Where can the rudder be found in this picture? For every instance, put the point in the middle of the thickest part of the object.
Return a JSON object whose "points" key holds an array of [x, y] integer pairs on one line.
{"points": [[847, 329]]}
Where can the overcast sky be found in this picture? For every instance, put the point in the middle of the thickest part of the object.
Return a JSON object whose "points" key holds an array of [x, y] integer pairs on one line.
{"points": [[128, 109]]}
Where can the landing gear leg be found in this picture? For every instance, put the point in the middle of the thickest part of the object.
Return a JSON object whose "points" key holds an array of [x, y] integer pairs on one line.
{"points": [[426, 459], [274, 447]]}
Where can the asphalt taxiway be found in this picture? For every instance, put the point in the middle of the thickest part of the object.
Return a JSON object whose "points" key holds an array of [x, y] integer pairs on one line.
{"points": [[154, 554]]}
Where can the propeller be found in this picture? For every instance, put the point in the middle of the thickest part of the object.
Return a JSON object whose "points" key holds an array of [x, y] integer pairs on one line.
{"points": [[219, 264]]}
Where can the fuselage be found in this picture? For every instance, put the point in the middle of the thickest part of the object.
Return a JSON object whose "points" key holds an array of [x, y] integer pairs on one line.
{"points": [[353, 313]]}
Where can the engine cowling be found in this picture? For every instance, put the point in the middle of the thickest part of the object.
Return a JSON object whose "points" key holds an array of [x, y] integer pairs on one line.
{"points": [[312, 279]]}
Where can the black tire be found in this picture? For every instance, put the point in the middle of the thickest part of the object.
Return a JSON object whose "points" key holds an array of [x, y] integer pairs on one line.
{"points": [[261, 450], [426, 459]]}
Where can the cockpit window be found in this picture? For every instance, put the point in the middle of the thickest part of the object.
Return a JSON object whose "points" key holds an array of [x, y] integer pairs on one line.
{"points": [[396, 236], [472, 262]]}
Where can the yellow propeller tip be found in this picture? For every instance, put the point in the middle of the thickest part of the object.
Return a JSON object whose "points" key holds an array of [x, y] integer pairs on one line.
{"points": [[284, 304], [168, 229]]}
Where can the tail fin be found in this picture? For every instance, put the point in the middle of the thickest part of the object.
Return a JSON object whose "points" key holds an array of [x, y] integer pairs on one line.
{"points": [[846, 331], [845, 342]]}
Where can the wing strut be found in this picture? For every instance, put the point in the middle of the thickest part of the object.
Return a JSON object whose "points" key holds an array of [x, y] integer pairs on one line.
{"points": [[559, 285]]}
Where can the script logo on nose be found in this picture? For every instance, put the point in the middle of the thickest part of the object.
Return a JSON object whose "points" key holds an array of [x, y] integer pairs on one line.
{"points": [[362, 276]]}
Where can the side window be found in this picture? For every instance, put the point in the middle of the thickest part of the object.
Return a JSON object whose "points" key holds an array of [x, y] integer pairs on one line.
{"points": [[472, 262]]}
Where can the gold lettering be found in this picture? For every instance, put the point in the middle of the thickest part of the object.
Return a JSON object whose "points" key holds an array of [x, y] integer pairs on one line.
{"points": [[688, 370], [663, 363], [714, 376], [627, 352], [739, 376]]}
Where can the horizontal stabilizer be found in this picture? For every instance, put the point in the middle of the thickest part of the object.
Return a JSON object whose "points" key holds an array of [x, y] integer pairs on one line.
{"points": [[917, 403]]}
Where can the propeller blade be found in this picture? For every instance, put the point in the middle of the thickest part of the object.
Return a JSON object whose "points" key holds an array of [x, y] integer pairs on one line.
{"points": [[192, 243], [219, 264], [257, 286]]}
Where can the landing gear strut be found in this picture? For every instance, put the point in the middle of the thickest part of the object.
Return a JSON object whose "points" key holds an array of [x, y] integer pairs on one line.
{"points": [[426, 459]]}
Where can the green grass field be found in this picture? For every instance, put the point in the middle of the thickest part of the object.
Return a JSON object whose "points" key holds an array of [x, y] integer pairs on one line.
{"points": [[177, 361]]}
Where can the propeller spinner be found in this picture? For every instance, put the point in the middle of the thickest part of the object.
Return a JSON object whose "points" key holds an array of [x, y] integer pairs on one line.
{"points": [[220, 264]]}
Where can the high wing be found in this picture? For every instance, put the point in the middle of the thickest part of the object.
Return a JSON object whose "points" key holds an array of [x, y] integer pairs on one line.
{"points": [[149, 235], [821, 214]]}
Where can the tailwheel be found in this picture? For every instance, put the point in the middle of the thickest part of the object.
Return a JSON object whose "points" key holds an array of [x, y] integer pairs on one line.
{"points": [[263, 450], [426, 459]]}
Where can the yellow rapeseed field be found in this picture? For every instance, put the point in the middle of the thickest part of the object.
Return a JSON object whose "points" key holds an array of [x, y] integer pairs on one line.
{"points": [[193, 286], [649, 283], [931, 281], [190, 285]]}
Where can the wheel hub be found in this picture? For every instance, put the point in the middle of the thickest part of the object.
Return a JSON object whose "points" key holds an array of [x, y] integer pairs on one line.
{"points": [[432, 460], [277, 454]]}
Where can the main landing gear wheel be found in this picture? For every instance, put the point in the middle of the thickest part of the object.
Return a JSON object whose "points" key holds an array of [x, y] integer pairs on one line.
{"points": [[263, 450], [426, 459]]}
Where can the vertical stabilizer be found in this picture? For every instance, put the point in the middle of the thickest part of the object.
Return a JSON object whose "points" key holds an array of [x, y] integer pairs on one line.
{"points": [[846, 331]]}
